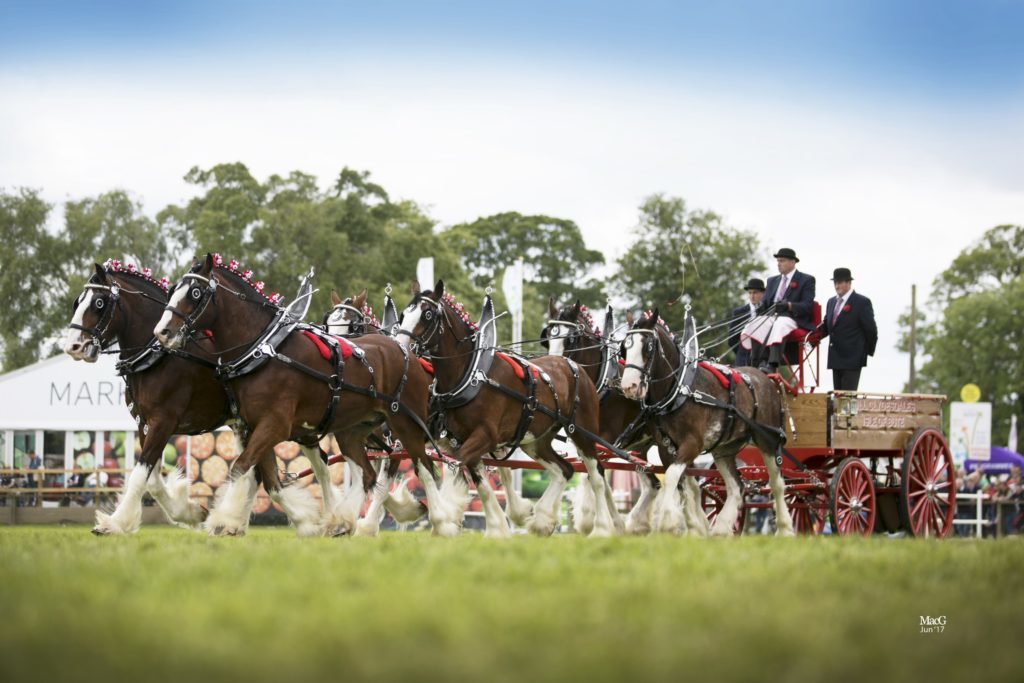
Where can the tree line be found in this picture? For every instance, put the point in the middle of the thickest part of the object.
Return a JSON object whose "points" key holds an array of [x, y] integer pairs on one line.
{"points": [[356, 235]]}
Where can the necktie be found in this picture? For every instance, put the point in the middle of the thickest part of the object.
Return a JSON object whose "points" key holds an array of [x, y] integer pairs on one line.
{"points": [[835, 313], [782, 288]]}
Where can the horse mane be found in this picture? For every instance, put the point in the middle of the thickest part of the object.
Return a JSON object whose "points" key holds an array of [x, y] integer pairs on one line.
{"points": [[587, 318], [245, 275], [116, 267], [453, 304]]}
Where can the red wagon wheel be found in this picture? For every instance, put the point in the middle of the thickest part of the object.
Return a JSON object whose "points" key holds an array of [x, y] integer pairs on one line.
{"points": [[712, 499], [852, 499], [928, 499], [808, 510]]}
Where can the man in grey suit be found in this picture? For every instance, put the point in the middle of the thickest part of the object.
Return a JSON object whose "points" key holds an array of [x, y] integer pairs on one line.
{"points": [[741, 316]]}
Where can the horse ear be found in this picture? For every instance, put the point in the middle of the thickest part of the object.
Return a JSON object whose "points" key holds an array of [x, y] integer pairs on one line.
{"points": [[577, 307], [552, 309], [655, 315], [208, 266], [629, 318], [101, 273], [439, 290], [335, 299], [360, 299], [415, 288]]}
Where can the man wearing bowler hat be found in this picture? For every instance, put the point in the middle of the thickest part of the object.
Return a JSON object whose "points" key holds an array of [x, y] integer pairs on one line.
{"points": [[787, 306], [741, 316], [850, 326]]}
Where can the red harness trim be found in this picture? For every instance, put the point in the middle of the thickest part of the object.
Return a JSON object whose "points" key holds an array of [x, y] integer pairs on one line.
{"points": [[426, 365], [722, 379], [325, 351], [516, 367]]}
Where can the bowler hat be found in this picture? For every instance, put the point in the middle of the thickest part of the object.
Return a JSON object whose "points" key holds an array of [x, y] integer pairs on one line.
{"points": [[786, 252], [755, 283], [842, 275]]}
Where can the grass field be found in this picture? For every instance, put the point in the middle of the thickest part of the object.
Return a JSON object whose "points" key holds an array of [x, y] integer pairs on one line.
{"points": [[170, 605]]}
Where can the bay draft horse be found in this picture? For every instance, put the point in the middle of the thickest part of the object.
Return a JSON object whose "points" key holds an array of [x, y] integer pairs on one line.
{"points": [[653, 364], [178, 394], [571, 332], [280, 400], [493, 418], [352, 318]]}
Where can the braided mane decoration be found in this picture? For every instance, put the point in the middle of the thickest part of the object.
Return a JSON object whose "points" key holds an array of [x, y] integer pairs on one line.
{"points": [[115, 266], [367, 311], [247, 275], [587, 318], [459, 309]]}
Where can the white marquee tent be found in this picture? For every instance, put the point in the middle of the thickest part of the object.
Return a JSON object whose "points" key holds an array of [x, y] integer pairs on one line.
{"points": [[63, 404]]}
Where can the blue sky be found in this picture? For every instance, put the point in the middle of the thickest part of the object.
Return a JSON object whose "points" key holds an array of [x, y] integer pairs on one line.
{"points": [[880, 136], [930, 49]]}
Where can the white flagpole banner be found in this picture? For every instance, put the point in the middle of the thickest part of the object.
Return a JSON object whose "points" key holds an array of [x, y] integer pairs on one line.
{"points": [[425, 272], [1011, 441]]}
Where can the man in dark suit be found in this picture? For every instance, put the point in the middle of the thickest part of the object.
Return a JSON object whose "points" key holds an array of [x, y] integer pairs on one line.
{"points": [[741, 316], [850, 326], [788, 305]]}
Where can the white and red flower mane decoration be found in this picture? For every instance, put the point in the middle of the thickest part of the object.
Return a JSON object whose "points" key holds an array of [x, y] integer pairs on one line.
{"points": [[661, 321], [589, 320], [459, 309], [247, 275], [112, 265], [371, 319]]}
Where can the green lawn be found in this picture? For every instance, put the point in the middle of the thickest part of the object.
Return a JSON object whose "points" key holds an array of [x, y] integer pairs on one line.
{"points": [[172, 605]]}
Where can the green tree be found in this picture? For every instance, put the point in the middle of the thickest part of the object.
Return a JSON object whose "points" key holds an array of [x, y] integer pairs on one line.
{"points": [[973, 331], [687, 257], [30, 277], [557, 262], [352, 234]]}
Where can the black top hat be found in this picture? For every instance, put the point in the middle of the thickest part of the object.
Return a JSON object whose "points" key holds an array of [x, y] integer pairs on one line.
{"points": [[842, 275], [786, 252], [755, 283]]}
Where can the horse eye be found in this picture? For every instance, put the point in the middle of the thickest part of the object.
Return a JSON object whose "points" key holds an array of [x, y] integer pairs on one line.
{"points": [[196, 293]]}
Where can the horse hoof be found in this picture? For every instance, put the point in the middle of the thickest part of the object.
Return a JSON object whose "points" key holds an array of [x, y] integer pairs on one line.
{"points": [[100, 531]]}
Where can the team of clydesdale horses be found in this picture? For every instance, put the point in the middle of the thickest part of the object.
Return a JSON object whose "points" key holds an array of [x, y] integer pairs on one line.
{"points": [[213, 349]]}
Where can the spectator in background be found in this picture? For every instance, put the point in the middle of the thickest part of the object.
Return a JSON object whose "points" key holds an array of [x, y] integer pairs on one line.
{"points": [[31, 462], [968, 509]]}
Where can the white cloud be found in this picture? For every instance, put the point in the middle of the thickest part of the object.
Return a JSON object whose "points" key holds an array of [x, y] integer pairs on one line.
{"points": [[893, 193]]}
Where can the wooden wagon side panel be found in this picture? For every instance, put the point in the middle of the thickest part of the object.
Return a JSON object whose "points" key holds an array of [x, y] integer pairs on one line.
{"points": [[806, 421], [881, 422]]}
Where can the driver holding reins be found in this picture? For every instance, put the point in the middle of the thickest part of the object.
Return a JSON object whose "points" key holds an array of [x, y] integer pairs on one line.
{"points": [[787, 306]]}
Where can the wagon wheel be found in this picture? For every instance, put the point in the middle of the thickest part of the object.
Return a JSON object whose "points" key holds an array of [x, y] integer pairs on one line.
{"points": [[852, 500], [928, 498], [808, 510], [712, 499]]}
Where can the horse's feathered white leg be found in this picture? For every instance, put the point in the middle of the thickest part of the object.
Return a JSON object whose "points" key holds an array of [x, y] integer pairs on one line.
{"points": [[454, 497], [437, 507], [696, 520], [230, 513], [402, 505], [584, 507], [127, 516], [545, 515], [639, 520], [726, 520], [172, 495], [302, 508], [604, 523], [668, 506], [494, 516], [517, 508], [783, 520], [369, 525]]}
